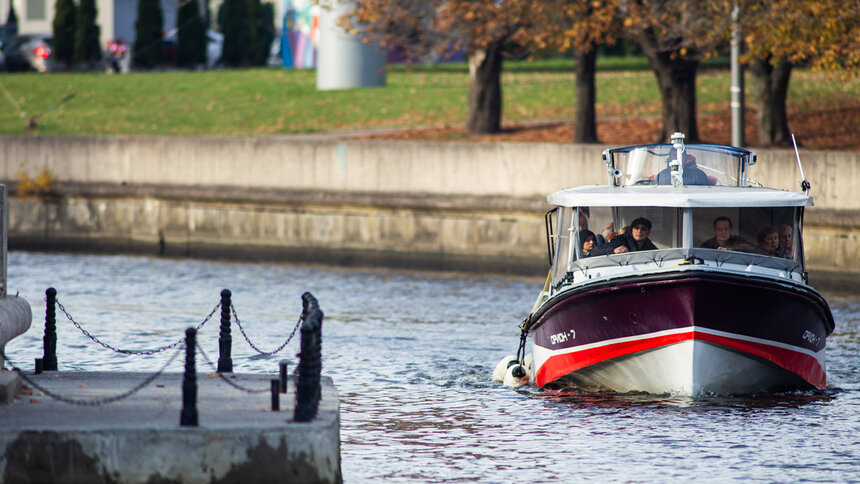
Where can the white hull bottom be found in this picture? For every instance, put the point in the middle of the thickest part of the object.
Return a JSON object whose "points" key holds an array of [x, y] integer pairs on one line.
{"points": [[688, 368]]}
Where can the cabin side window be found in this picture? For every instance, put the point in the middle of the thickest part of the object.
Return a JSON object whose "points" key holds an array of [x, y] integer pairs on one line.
{"points": [[561, 227], [771, 231]]}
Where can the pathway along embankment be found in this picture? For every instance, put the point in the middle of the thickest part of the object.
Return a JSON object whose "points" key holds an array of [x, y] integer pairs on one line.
{"points": [[461, 206]]}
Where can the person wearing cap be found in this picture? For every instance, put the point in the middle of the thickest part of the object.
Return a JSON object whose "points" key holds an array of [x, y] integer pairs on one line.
{"points": [[587, 242], [633, 241], [693, 175]]}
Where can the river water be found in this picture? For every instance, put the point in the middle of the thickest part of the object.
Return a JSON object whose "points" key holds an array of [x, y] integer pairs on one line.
{"points": [[412, 354]]}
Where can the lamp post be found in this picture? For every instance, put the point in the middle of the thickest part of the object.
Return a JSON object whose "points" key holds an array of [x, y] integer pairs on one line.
{"points": [[737, 102]]}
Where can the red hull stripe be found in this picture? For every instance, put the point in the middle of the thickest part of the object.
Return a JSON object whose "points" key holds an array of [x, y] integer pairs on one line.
{"points": [[803, 365]]}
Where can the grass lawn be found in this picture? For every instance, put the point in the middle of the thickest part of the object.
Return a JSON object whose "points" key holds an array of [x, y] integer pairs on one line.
{"points": [[279, 101]]}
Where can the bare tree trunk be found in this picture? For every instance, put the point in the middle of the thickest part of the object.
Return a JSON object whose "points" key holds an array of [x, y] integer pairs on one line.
{"points": [[676, 78], [586, 119], [485, 91], [770, 89]]}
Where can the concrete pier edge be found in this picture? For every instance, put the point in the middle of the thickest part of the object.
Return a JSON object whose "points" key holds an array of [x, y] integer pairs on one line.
{"points": [[139, 439]]}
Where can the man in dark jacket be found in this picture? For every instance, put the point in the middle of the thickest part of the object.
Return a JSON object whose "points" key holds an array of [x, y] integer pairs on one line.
{"points": [[634, 240], [724, 240]]}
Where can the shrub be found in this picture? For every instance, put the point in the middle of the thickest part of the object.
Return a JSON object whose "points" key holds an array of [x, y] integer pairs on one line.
{"points": [[190, 35], [149, 40], [233, 21], [87, 48], [45, 184], [64, 32]]}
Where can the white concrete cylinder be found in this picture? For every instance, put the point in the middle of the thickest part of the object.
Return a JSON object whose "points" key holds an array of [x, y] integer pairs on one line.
{"points": [[15, 319], [345, 62]]}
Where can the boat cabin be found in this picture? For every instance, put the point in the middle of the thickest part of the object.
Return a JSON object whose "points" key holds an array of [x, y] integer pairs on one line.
{"points": [[687, 192]]}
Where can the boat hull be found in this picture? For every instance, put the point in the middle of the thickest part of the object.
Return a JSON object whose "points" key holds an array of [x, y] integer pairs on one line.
{"points": [[688, 334]]}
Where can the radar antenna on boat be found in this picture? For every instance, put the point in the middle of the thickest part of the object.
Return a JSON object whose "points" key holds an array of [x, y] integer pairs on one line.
{"points": [[804, 183]]}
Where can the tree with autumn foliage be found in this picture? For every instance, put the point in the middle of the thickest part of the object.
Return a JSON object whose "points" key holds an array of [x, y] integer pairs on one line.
{"points": [[675, 36], [579, 27], [488, 30], [781, 34]]}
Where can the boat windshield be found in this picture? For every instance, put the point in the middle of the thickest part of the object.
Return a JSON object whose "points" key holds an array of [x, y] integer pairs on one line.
{"points": [[589, 232], [704, 164]]}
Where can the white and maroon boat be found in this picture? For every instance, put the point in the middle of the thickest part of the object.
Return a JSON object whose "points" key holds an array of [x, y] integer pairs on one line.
{"points": [[681, 319]]}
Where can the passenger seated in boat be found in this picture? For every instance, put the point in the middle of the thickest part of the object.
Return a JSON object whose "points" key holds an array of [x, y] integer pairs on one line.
{"points": [[693, 175], [583, 225], [633, 241], [609, 232], [784, 232], [768, 242], [588, 241], [723, 238]]}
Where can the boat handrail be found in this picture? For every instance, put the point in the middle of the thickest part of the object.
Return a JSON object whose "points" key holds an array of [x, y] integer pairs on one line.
{"points": [[661, 256]]}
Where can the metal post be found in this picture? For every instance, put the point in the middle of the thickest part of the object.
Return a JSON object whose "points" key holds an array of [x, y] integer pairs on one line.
{"points": [[188, 417], [282, 374], [49, 341], [4, 238], [308, 383], [276, 395], [737, 72], [225, 341]]}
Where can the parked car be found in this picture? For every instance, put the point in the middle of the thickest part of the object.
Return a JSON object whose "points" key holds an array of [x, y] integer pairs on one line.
{"points": [[28, 52]]}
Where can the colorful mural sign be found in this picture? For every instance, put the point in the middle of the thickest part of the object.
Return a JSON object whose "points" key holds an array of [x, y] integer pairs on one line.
{"points": [[300, 34]]}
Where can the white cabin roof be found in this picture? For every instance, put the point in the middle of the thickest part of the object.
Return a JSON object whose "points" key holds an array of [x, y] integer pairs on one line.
{"points": [[668, 196]]}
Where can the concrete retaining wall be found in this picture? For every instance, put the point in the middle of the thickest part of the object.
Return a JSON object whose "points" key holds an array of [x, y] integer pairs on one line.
{"points": [[509, 169], [447, 205]]}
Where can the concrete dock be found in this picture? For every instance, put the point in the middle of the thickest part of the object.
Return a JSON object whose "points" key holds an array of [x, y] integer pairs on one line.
{"points": [[139, 439]]}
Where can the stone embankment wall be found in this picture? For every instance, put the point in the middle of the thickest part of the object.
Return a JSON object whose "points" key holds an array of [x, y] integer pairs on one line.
{"points": [[423, 204]]}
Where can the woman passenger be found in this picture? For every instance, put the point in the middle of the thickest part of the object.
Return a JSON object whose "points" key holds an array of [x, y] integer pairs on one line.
{"points": [[785, 241], [588, 241], [768, 242]]}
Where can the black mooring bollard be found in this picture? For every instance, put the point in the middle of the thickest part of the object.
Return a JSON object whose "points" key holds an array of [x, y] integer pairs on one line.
{"points": [[282, 374], [309, 304], [276, 395], [40, 367], [225, 341], [188, 417], [308, 382], [49, 341]]}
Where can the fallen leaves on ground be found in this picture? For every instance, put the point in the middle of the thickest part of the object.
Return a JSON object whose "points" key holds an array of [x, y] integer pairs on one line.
{"points": [[834, 130]]}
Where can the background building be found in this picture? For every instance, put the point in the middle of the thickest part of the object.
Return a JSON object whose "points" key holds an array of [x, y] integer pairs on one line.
{"points": [[115, 17]]}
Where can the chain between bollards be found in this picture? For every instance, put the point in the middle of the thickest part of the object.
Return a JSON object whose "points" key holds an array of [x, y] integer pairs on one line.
{"points": [[49, 341], [188, 417], [225, 341]]}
